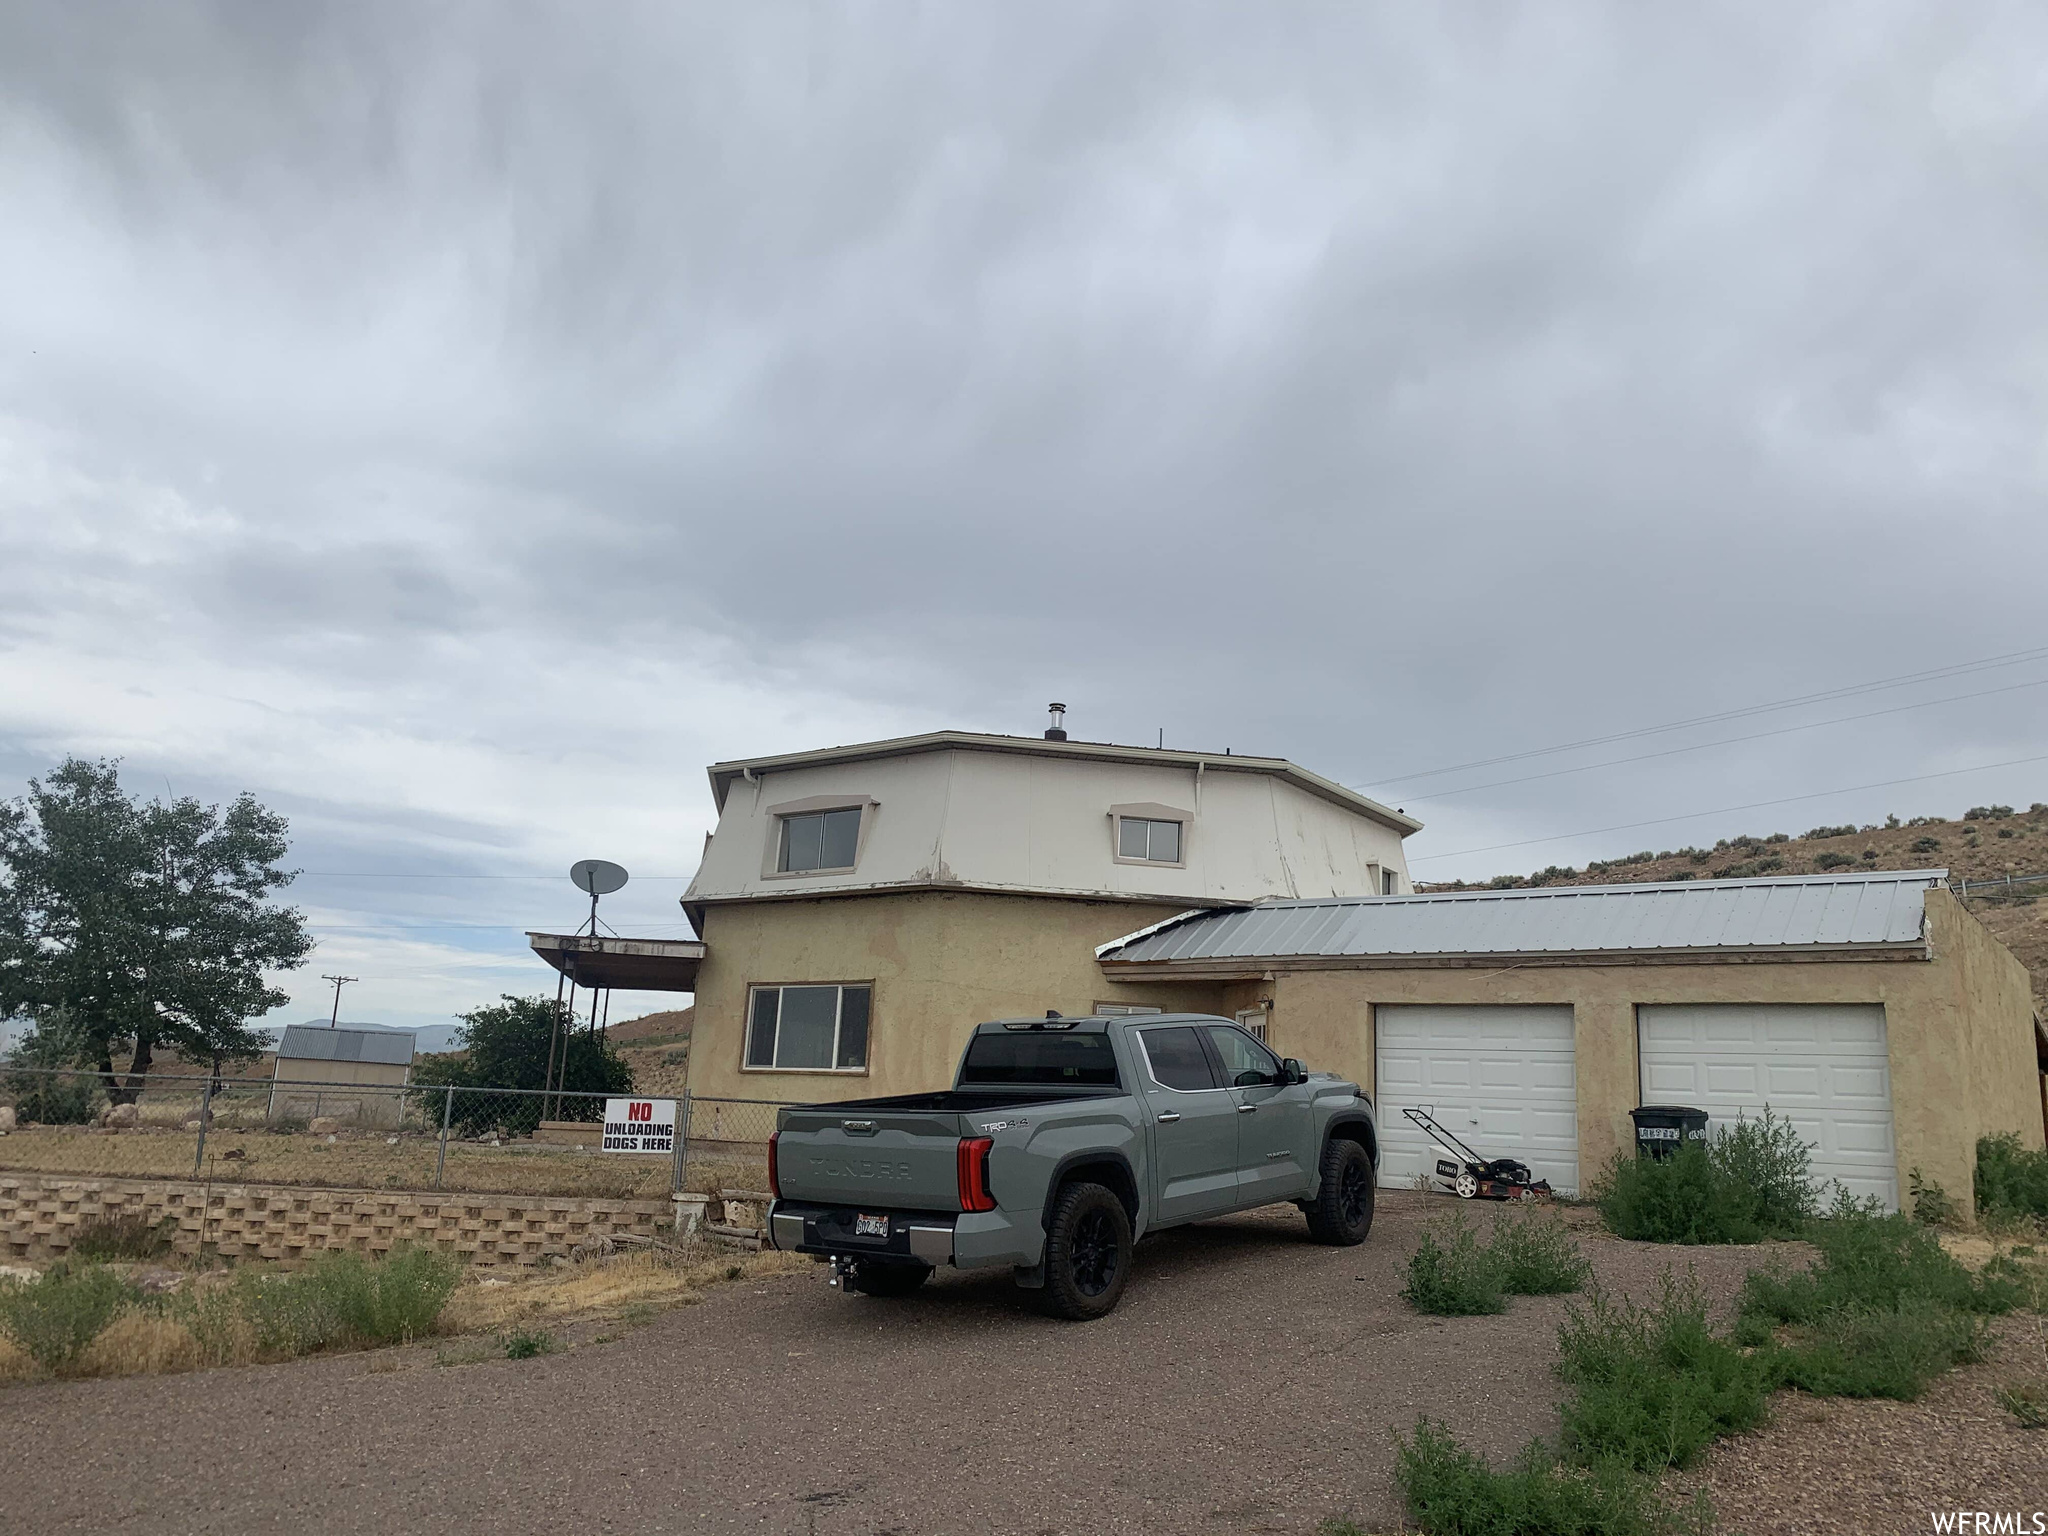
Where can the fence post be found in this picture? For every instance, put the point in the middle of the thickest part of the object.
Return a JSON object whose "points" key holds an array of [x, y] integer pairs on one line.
{"points": [[447, 1114], [682, 1141], [199, 1151]]}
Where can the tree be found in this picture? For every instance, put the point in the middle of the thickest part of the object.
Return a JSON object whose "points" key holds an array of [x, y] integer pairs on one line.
{"points": [[505, 1045], [147, 923]]}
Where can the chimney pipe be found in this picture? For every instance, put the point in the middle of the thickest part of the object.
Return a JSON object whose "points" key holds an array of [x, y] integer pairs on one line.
{"points": [[1057, 730]]}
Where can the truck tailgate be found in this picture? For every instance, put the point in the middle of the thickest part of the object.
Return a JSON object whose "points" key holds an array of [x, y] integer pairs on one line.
{"points": [[906, 1161]]}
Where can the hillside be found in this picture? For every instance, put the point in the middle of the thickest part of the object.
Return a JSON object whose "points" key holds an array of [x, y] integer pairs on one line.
{"points": [[1984, 843], [657, 1047]]}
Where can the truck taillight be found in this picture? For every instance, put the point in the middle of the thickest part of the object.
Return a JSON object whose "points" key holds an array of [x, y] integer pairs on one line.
{"points": [[774, 1173], [974, 1195]]}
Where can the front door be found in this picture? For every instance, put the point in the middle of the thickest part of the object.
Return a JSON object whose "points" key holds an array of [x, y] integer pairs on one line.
{"points": [[1194, 1160], [1274, 1157]]}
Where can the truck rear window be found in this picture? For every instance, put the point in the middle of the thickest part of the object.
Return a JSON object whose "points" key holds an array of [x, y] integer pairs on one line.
{"points": [[1034, 1057]]}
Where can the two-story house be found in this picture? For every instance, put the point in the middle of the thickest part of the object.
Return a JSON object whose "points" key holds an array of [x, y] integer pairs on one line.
{"points": [[861, 908]]}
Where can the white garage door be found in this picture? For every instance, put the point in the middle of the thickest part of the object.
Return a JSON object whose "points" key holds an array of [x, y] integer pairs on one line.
{"points": [[1821, 1066], [1500, 1078]]}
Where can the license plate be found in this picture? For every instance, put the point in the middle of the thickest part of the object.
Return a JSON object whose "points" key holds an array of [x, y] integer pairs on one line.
{"points": [[870, 1226]]}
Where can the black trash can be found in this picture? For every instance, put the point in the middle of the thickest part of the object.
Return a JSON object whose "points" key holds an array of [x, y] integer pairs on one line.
{"points": [[1661, 1127]]}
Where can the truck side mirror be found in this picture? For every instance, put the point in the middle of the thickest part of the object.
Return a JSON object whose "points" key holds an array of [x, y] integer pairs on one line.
{"points": [[1290, 1071]]}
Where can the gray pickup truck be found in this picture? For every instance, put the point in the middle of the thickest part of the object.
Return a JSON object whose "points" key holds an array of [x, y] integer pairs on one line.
{"points": [[1061, 1143]]}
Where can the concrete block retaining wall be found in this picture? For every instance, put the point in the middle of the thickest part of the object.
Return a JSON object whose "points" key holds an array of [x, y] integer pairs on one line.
{"points": [[40, 1213]]}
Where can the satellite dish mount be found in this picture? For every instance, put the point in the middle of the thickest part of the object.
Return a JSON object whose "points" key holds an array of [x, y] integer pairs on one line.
{"points": [[597, 877]]}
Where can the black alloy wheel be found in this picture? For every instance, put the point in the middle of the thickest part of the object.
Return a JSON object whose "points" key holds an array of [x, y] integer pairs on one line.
{"points": [[1087, 1252]]}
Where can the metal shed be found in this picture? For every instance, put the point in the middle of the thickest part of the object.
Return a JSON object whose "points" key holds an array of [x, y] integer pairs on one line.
{"points": [[353, 1075]]}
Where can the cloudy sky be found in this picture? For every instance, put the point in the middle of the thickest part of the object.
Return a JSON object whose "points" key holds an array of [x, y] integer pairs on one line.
{"points": [[459, 424]]}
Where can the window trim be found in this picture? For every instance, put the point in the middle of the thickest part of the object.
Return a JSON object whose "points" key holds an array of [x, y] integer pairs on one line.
{"points": [[838, 1018], [1152, 1072], [812, 805], [1149, 810]]}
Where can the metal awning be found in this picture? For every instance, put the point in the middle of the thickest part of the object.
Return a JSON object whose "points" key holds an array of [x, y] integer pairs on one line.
{"points": [[633, 965]]}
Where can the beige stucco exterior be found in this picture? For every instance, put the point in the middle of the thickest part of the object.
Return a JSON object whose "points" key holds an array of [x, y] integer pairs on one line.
{"points": [[939, 962], [1959, 1027]]}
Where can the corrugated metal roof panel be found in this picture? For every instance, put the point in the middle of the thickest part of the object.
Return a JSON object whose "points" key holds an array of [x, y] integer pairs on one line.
{"points": [[311, 1042], [1884, 910]]}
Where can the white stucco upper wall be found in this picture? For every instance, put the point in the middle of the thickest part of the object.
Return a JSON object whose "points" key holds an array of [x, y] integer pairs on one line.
{"points": [[1002, 820]]}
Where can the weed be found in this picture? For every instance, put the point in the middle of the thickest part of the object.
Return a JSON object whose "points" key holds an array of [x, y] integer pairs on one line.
{"points": [[528, 1342], [1932, 1206], [1850, 1352], [1833, 860], [340, 1298], [2026, 1401], [1749, 1182], [55, 1316], [1535, 1256], [1655, 1386], [1450, 1491], [1924, 845], [733, 1271], [1871, 1261], [123, 1237], [1455, 1277], [2011, 1180]]}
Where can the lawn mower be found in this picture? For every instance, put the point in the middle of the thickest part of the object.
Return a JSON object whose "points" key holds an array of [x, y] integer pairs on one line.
{"points": [[1475, 1177]]}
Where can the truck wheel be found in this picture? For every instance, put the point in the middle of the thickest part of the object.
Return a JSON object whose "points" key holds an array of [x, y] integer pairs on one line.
{"points": [[1341, 1213], [1087, 1252], [872, 1279]]}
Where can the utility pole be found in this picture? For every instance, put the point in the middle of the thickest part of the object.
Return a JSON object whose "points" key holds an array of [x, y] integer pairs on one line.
{"points": [[334, 1020]]}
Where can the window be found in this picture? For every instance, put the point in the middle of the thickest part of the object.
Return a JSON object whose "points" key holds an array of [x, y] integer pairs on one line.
{"points": [[1253, 1022], [1390, 883], [1028, 1056], [1246, 1063], [1177, 1058], [1123, 1010], [819, 840], [1154, 842], [808, 1029]]}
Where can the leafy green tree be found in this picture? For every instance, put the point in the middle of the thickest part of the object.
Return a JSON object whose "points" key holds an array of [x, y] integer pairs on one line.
{"points": [[146, 922], [506, 1045]]}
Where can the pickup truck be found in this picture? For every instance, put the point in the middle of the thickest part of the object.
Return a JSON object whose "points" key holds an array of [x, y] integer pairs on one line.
{"points": [[1061, 1143]]}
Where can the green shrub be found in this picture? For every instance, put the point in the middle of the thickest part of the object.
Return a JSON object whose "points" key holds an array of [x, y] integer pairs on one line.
{"points": [[1833, 860], [1894, 1353], [1924, 845], [1535, 1256], [341, 1298], [529, 1342], [1870, 1261], [56, 1315], [1454, 1278], [123, 1237], [1987, 813], [1654, 1385], [1932, 1206], [1748, 1182], [1449, 1491], [1847, 830], [2011, 1180]]}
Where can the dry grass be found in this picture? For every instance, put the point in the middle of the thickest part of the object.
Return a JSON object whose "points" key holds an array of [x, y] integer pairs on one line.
{"points": [[15, 1364], [364, 1161], [605, 1287], [139, 1345]]}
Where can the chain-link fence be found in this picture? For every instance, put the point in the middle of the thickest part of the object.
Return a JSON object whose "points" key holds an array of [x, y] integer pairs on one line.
{"points": [[367, 1135]]}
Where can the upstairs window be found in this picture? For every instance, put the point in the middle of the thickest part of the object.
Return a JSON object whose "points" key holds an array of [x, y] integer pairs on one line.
{"points": [[1150, 842], [1390, 883], [808, 1029], [818, 840]]}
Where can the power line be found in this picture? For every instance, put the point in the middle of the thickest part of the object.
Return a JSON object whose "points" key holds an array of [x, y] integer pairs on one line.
{"points": [[2012, 658], [1729, 741], [1658, 821]]}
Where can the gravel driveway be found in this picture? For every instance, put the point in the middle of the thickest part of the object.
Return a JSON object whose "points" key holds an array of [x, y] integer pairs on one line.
{"points": [[1250, 1381]]}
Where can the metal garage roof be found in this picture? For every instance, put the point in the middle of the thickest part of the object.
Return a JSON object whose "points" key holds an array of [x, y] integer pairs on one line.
{"points": [[317, 1042], [1859, 912]]}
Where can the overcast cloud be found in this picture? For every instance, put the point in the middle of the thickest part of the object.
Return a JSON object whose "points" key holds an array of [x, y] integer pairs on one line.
{"points": [[460, 424]]}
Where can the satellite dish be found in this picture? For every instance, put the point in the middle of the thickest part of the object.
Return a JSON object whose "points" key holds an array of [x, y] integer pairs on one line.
{"points": [[597, 877]]}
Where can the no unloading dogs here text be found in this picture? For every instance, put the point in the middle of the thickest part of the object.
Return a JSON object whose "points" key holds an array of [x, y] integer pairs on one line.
{"points": [[639, 1125]]}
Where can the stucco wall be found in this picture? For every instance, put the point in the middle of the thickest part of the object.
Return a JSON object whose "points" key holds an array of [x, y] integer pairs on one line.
{"points": [[1959, 1030], [940, 963]]}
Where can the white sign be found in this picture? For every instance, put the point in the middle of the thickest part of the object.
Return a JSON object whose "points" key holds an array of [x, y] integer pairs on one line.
{"points": [[639, 1125]]}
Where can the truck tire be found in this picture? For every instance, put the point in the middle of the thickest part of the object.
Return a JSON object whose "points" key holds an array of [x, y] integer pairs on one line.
{"points": [[1087, 1252], [1341, 1213], [873, 1279]]}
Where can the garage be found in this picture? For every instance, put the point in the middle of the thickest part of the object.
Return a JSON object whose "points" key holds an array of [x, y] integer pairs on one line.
{"points": [[1500, 1077], [1824, 1067]]}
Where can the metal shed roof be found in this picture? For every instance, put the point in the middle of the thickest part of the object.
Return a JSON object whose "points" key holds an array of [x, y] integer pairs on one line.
{"points": [[314, 1042], [1854, 913]]}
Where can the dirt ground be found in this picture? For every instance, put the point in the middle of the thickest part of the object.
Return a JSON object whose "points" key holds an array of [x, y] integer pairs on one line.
{"points": [[1250, 1382]]}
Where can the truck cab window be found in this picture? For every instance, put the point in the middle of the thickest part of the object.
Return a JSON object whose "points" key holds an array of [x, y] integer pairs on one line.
{"points": [[1246, 1063], [1177, 1058], [1027, 1057]]}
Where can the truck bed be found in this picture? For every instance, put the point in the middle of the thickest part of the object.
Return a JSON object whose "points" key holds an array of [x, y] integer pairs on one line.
{"points": [[964, 1101]]}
